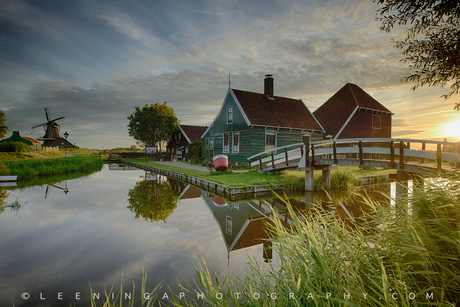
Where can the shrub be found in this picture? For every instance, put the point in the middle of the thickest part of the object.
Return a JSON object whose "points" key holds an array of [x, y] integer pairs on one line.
{"points": [[15, 147]]}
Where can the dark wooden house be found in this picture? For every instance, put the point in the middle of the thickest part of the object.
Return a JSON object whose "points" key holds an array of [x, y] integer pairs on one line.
{"points": [[179, 144], [249, 123], [353, 113]]}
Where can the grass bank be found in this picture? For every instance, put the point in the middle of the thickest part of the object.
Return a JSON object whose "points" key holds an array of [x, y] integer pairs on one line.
{"points": [[341, 178], [44, 167]]}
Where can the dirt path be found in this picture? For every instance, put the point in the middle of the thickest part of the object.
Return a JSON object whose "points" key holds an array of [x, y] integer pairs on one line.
{"points": [[37, 155]]}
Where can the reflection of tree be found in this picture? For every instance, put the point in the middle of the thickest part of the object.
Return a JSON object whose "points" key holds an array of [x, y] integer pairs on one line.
{"points": [[3, 196], [152, 200]]}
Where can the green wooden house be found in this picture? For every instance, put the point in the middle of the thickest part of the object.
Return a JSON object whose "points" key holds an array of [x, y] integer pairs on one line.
{"points": [[249, 123]]}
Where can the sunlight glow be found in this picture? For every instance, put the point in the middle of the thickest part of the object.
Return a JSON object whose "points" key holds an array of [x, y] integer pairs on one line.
{"points": [[452, 128]]}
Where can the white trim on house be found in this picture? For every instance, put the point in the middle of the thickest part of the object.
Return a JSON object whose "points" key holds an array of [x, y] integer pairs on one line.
{"points": [[346, 123], [313, 117], [229, 92], [186, 137]]}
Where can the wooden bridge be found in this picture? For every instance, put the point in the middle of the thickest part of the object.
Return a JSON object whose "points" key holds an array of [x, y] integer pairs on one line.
{"points": [[441, 158]]}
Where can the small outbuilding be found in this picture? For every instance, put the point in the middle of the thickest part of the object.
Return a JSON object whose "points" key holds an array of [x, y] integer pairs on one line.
{"points": [[178, 146]]}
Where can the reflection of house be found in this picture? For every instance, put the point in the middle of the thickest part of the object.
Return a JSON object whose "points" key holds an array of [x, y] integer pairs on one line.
{"points": [[243, 224], [352, 113], [249, 123], [178, 145]]}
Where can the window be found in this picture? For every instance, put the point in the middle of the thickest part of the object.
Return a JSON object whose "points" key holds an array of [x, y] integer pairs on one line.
{"points": [[209, 144], [229, 115], [228, 227], [270, 140], [236, 142], [226, 142], [376, 122]]}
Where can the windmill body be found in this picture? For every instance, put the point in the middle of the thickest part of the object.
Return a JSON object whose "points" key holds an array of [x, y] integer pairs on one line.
{"points": [[52, 137]]}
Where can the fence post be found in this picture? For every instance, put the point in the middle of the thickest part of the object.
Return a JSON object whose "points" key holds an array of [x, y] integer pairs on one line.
{"points": [[249, 164], [260, 162], [273, 159], [401, 155], [361, 160], [458, 153], [423, 148], [306, 141], [392, 154], [312, 154], [286, 155], [334, 149], [439, 158]]}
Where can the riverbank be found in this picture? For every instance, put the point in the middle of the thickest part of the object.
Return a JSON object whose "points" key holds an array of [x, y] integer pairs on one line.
{"points": [[44, 167], [251, 181]]}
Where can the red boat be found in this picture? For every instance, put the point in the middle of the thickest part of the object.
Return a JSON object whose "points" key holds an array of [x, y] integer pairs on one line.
{"points": [[220, 162]]}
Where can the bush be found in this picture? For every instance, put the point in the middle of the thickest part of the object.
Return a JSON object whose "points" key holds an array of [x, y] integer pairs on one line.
{"points": [[15, 147]]}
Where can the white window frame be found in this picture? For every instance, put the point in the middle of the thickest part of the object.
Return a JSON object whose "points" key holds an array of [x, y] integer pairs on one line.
{"points": [[226, 146], [236, 147], [228, 225], [230, 115], [374, 126], [267, 133]]}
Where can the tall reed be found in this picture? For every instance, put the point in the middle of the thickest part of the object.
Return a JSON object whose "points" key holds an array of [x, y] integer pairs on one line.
{"points": [[402, 252]]}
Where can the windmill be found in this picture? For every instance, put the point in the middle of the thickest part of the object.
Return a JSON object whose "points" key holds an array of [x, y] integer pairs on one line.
{"points": [[51, 128]]}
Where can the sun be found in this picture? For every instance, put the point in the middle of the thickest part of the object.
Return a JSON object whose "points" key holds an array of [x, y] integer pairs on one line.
{"points": [[451, 129]]}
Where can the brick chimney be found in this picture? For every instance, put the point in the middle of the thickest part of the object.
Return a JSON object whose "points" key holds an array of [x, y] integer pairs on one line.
{"points": [[268, 86]]}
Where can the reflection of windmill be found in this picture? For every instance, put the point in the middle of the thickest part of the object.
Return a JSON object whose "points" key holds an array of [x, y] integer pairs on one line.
{"points": [[65, 189], [51, 128]]}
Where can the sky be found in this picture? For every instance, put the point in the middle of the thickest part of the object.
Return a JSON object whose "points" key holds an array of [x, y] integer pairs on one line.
{"points": [[95, 61]]}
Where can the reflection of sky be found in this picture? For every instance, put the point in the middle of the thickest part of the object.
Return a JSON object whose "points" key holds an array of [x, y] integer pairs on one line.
{"points": [[57, 244]]}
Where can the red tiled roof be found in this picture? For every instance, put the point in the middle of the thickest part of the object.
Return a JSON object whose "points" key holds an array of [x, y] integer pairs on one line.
{"points": [[334, 113], [194, 133], [278, 112], [34, 141]]}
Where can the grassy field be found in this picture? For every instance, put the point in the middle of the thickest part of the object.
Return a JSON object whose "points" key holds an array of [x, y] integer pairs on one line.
{"points": [[30, 168], [342, 177]]}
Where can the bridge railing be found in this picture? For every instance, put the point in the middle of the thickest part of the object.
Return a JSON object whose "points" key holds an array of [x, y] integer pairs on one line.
{"points": [[392, 149]]}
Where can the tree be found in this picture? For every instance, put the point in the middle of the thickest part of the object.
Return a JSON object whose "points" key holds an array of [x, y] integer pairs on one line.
{"points": [[152, 124], [431, 46], [3, 128]]}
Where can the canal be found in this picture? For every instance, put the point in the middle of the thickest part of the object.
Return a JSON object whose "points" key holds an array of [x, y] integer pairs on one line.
{"points": [[59, 237]]}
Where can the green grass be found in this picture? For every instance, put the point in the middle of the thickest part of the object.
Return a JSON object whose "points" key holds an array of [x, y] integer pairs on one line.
{"points": [[44, 167], [342, 178], [249, 178]]}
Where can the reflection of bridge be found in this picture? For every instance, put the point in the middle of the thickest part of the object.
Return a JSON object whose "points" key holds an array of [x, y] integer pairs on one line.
{"points": [[387, 153]]}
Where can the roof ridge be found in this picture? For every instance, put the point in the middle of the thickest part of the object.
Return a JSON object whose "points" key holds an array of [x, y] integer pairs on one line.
{"points": [[353, 93]]}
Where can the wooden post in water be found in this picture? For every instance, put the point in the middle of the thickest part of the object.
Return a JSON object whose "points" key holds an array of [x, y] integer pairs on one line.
{"points": [[327, 177], [401, 155]]}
